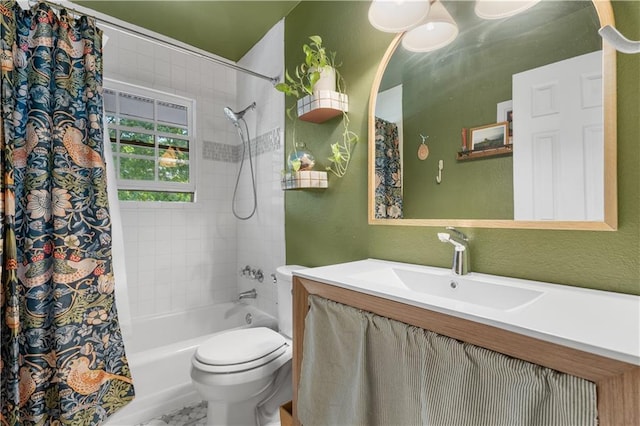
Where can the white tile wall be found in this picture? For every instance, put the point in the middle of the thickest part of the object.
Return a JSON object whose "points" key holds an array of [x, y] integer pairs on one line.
{"points": [[180, 256], [261, 238]]}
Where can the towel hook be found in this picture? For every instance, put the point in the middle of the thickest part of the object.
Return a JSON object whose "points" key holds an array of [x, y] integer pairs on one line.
{"points": [[440, 167]]}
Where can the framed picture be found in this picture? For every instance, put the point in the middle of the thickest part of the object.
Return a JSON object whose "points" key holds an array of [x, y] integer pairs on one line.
{"points": [[504, 112], [490, 136]]}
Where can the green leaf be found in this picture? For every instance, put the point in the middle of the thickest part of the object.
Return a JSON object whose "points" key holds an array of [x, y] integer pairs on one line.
{"points": [[321, 58], [290, 112], [313, 78], [282, 87], [316, 39], [288, 77], [333, 60], [309, 54]]}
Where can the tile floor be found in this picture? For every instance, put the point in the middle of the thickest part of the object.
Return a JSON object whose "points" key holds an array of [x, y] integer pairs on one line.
{"points": [[191, 415]]}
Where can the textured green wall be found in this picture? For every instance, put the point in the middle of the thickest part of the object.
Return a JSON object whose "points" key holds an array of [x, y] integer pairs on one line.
{"points": [[330, 226]]}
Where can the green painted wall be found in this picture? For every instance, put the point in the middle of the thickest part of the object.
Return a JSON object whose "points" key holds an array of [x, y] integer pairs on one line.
{"points": [[330, 226]]}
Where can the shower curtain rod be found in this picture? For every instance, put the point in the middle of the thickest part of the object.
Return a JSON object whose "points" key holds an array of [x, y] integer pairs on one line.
{"points": [[148, 34]]}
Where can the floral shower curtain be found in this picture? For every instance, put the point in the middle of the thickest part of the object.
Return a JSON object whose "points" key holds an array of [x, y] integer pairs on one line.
{"points": [[388, 171], [62, 357]]}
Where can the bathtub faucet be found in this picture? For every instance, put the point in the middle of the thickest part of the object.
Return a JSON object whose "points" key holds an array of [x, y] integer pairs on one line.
{"points": [[249, 294], [460, 243]]}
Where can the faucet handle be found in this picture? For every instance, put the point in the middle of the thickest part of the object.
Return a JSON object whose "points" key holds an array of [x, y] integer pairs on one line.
{"points": [[444, 236], [246, 271], [459, 234]]}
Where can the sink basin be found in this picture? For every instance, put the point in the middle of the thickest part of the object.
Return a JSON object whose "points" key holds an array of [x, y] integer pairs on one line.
{"points": [[446, 285], [599, 322]]}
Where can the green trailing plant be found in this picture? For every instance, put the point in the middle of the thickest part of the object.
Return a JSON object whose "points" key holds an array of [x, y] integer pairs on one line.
{"points": [[306, 76], [341, 151]]}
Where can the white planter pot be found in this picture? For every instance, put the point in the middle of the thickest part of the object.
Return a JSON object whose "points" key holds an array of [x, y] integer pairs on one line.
{"points": [[327, 80]]}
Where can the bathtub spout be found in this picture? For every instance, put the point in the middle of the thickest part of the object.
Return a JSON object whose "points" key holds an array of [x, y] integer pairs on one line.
{"points": [[250, 294]]}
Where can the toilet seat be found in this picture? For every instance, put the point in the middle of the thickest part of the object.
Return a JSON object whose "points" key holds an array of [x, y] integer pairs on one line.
{"points": [[240, 350]]}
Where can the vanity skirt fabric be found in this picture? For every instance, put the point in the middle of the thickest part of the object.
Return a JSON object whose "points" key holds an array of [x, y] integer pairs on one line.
{"points": [[363, 369]]}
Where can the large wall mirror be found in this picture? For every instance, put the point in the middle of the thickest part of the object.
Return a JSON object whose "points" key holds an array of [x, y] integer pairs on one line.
{"points": [[512, 125]]}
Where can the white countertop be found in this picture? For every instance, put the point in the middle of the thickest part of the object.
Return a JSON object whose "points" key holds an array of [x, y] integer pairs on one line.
{"points": [[598, 322]]}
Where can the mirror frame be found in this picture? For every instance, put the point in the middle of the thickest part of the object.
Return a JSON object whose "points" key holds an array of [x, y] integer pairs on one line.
{"points": [[609, 93]]}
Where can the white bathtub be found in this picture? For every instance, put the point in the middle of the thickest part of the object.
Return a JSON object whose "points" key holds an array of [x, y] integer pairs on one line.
{"points": [[160, 350]]}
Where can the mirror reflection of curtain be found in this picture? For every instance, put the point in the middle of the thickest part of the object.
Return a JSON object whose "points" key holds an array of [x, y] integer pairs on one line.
{"points": [[388, 171], [62, 358]]}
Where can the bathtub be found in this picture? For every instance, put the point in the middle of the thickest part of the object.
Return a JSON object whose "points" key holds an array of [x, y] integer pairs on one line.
{"points": [[159, 352]]}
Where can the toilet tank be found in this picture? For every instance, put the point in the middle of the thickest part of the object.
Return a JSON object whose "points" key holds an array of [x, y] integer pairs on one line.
{"points": [[285, 299]]}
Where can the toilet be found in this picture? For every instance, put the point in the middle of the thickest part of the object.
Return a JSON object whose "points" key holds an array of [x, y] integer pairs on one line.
{"points": [[245, 374]]}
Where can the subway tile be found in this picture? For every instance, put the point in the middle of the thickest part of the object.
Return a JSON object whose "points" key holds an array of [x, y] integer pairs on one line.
{"points": [[162, 82], [146, 216], [178, 77], [146, 292], [162, 68], [147, 233], [162, 305], [146, 308], [146, 65], [178, 302]]}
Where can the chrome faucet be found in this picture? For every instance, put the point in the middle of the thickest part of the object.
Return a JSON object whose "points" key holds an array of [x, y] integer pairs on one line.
{"points": [[460, 265], [249, 294]]}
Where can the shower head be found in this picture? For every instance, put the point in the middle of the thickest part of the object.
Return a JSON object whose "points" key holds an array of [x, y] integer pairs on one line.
{"points": [[236, 116]]}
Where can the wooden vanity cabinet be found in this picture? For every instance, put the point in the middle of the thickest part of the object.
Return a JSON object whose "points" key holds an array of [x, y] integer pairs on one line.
{"points": [[617, 382]]}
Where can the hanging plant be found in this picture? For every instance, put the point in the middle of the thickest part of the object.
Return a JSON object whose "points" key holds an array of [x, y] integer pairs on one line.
{"points": [[303, 83], [341, 150], [308, 73]]}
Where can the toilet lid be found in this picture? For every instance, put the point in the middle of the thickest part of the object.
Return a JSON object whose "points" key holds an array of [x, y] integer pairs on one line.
{"points": [[239, 346]]}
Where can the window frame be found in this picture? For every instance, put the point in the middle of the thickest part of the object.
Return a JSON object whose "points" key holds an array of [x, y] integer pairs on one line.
{"points": [[157, 97]]}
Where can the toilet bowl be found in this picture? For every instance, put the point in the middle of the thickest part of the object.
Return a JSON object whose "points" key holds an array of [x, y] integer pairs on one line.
{"points": [[239, 371]]}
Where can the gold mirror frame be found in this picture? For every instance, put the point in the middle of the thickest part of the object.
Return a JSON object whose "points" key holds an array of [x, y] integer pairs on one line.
{"points": [[610, 223]]}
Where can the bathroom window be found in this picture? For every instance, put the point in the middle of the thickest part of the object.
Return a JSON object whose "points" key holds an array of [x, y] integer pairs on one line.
{"points": [[152, 138]]}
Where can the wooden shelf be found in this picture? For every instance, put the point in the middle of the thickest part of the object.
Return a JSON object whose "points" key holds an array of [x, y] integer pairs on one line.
{"points": [[320, 115], [485, 153]]}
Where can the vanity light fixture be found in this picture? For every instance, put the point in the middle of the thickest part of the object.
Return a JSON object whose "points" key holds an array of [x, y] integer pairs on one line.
{"points": [[499, 9], [438, 30], [622, 44], [395, 16]]}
